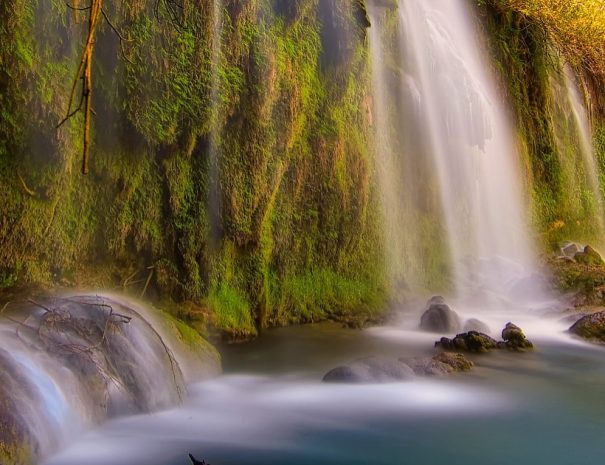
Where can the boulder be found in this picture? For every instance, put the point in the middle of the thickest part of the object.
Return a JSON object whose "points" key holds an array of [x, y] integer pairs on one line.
{"points": [[456, 362], [590, 327], [472, 341], [438, 317], [589, 257], [376, 370], [514, 338], [370, 370]]}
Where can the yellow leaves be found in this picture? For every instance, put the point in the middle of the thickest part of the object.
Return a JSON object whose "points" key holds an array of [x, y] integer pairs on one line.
{"points": [[575, 27]]}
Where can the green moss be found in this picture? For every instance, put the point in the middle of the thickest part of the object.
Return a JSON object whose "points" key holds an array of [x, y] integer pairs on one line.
{"points": [[232, 310], [561, 202]]}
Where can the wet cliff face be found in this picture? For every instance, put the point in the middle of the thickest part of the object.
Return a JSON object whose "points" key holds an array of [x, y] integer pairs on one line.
{"points": [[262, 109], [565, 191], [233, 167]]}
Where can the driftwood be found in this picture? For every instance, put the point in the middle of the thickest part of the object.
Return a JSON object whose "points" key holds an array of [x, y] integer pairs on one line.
{"points": [[195, 461]]}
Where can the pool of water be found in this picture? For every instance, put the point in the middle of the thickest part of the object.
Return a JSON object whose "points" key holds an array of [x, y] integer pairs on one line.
{"points": [[543, 407]]}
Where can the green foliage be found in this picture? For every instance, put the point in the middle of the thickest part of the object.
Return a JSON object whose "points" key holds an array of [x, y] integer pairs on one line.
{"points": [[288, 134], [562, 205]]}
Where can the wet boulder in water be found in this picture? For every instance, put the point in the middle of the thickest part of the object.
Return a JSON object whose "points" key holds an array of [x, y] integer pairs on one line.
{"points": [[590, 327], [370, 370], [514, 338], [438, 317], [472, 341], [441, 364]]}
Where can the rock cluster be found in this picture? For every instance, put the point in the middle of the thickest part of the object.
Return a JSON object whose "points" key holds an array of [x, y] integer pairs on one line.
{"points": [[513, 338]]}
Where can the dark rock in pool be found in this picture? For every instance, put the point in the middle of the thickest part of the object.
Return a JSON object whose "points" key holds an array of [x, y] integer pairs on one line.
{"points": [[514, 338], [376, 370], [589, 257], [442, 364], [590, 327], [439, 317], [370, 370], [473, 341], [457, 362]]}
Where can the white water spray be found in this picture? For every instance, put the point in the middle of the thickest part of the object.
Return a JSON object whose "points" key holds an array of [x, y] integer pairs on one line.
{"points": [[584, 130], [465, 129]]}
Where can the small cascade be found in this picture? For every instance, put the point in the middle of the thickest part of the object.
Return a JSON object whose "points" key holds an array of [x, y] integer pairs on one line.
{"points": [[70, 363], [584, 133], [461, 125], [214, 189], [412, 225]]}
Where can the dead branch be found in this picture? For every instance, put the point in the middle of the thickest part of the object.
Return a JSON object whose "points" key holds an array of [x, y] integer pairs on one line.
{"points": [[151, 268], [27, 190]]}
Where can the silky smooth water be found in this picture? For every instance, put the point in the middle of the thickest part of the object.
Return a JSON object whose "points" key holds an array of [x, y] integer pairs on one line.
{"points": [[577, 106], [542, 407], [459, 120]]}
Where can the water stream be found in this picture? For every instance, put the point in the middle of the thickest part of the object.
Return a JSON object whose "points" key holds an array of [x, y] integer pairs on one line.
{"points": [[462, 125], [271, 408], [439, 120]]}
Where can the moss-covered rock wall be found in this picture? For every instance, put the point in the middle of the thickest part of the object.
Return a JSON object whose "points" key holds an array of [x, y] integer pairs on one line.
{"points": [[532, 74], [235, 171]]}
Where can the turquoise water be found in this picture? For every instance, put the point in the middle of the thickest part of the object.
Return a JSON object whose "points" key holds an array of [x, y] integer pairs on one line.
{"points": [[545, 407]]}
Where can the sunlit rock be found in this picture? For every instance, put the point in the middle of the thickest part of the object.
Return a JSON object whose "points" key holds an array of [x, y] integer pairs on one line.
{"points": [[370, 370], [514, 338], [590, 327], [589, 257]]}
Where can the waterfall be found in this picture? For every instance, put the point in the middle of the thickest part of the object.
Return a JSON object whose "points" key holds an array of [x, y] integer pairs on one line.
{"points": [[584, 133], [214, 188], [69, 363], [462, 126]]}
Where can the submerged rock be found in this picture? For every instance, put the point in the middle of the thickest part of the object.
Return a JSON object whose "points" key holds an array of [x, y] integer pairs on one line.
{"points": [[441, 364], [456, 362], [438, 317], [376, 370], [475, 325], [590, 327], [370, 370]]}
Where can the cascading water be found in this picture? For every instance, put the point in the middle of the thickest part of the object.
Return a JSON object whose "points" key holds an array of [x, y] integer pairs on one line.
{"points": [[464, 128], [584, 133], [214, 201], [73, 362], [411, 211]]}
